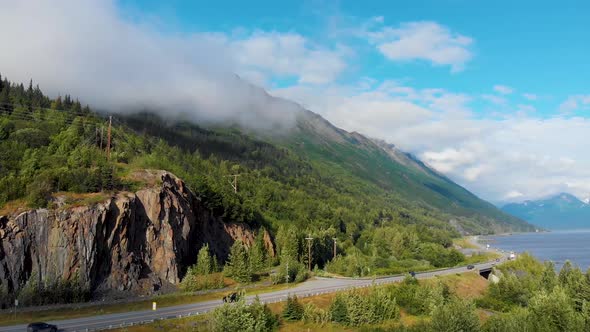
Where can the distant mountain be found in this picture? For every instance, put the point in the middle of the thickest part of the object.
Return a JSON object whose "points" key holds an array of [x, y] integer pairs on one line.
{"points": [[562, 211], [351, 154]]}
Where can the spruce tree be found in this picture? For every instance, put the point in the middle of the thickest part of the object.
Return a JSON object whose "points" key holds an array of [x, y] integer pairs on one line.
{"points": [[238, 266], [257, 254], [338, 310], [293, 309], [204, 261]]}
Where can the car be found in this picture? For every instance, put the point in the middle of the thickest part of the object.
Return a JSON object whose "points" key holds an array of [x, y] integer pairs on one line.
{"points": [[413, 274], [497, 259], [470, 267], [41, 327], [232, 297]]}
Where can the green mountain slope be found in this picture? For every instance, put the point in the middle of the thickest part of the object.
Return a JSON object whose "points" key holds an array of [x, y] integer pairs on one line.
{"points": [[562, 211], [388, 211], [394, 171]]}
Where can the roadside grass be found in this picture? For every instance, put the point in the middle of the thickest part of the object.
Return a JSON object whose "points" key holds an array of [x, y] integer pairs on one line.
{"points": [[465, 285], [167, 300], [481, 258], [195, 324], [468, 285], [465, 243]]}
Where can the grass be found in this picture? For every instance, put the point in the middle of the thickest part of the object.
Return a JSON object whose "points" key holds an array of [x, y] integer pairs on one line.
{"points": [[465, 243], [481, 258], [14, 207], [81, 199], [466, 285], [195, 324], [162, 301]]}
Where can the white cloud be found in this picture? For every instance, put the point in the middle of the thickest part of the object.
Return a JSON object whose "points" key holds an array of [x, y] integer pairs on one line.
{"points": [[87, 49], [428, 41], [530, 96], [513, 194], [523, 109], [495, 158], [503, 89], [574, 103], [288, 54], [495, 99]]}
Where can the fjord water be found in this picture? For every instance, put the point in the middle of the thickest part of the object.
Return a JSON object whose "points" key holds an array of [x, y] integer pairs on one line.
{"points": [[556, 246]]}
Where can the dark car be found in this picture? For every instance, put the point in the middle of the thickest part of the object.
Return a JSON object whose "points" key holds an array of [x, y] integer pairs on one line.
{"points": [[470, 267], [233, 297], [413, 274], [41, 327]]}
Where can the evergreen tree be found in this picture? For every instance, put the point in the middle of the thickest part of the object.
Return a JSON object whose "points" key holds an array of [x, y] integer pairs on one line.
{"points": [[554, 311], [548, 277], [204, 262], [238, 266], [455, 316], [257, 254], [293, 309], [288, 243], [57, 104], [338, 310]]}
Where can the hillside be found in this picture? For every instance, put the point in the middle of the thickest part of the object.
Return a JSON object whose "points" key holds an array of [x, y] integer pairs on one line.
{"points": [[388, 212], [396, 172], [562, 211]]}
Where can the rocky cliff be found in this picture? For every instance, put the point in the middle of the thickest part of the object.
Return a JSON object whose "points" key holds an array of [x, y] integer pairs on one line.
{"points": [[133, 241]]}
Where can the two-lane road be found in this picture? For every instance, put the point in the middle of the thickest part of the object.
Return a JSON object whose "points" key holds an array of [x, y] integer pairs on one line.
{"points": [[311, 287]]}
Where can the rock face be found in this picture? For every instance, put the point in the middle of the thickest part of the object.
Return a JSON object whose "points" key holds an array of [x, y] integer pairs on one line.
{"points": [[133, 241]]}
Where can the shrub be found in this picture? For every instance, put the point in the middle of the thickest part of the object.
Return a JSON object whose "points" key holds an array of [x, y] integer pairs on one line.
{"points": [[293, 309], [256, 317], [455, 316], [339, 310], [297, 273], [313, 314]]}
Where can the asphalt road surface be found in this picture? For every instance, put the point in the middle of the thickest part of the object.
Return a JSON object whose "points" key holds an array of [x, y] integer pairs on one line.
{"points": [[312, 287]]}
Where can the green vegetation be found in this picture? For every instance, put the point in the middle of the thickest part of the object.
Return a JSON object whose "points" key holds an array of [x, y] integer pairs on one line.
{"points": [[203, 275], [387, 216], [255, 317], [533, 297]]}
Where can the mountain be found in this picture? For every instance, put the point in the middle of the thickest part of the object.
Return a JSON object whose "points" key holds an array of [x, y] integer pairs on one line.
{"points": [[75, 184], [562, 211], [396, 172], [340, 156]]}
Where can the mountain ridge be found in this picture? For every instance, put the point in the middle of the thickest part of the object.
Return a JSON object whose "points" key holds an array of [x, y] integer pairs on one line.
{"points": [[559, 211]]}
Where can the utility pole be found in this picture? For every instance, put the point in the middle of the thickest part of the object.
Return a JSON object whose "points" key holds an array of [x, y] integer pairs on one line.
{"points": [[287, 274], [335, 239], [101, 135], [109, 138], [234, 183], [309, 239]]}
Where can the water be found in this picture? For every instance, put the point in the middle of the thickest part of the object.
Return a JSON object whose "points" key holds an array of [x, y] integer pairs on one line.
{"points": [[557, 246]]}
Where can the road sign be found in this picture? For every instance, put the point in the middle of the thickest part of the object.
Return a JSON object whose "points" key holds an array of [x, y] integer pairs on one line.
{"points": [[16, 303], [154, 306]]}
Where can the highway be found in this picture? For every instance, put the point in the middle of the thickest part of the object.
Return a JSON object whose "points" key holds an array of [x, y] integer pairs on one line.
{"points": [[312, 287]]}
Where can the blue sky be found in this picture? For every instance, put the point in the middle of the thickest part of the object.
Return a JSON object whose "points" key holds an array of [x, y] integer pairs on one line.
{"points": [[535, 47], [494, 94]]}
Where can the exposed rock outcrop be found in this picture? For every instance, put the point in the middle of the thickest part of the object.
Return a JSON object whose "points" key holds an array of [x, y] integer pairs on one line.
{"points": [[132, 241]]}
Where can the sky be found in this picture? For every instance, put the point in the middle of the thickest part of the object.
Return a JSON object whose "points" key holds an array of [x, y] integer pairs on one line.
{"points": [[494, 94]]}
